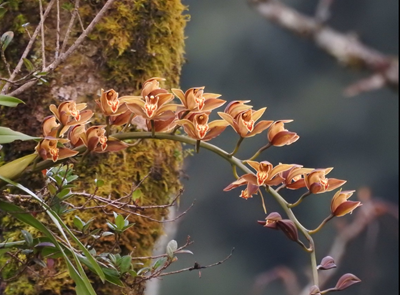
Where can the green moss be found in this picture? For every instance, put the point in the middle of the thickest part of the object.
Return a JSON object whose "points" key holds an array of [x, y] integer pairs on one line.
{"points": [[142, 39], [21, 287]]}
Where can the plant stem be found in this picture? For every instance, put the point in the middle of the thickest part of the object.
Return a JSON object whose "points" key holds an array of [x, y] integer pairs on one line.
{"points": [[290, 214], [299, 200], [321, 225], [260, 151], [237, 146]]}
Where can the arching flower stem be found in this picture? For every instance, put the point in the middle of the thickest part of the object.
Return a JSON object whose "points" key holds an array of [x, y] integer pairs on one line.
{"points": [[234, 171], [260, 151], [299, 200], [321, 225], [237, 146]]}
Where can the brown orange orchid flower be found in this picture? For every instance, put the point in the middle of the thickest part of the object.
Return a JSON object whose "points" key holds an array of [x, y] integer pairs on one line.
{"points": [[294, 177], [339, 204], [50, 126], [49, 148], [248, 192], [68, 113], [194, 99], [266, 175], [113, 106], [153, 104], [196, 126], [242, 119], [317, 183], [95, 139], [279, 136]]}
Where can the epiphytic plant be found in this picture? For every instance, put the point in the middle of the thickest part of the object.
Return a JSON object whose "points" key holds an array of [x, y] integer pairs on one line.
{"points": [[66, 136]]}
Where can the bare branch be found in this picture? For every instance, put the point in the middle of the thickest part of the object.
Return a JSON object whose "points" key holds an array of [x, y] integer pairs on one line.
{"points": [[197, 266], [71, 50], [27, 50], [345, 48], [42, 34], [58, 31], [70, 25]]}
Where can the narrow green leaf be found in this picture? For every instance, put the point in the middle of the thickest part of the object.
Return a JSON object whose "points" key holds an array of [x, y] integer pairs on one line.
{"points": [[78, 223], [64, 194], [9, 101], [28, 237], [8, 135], [159, 262], [21, 215], [16, 167], [29, 66], [52, 189], [61, 225]]}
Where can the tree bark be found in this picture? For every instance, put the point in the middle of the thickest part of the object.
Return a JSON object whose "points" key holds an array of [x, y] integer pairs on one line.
{"points": [[135, 40]]}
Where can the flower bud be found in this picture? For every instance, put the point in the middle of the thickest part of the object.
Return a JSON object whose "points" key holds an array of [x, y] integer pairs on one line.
{"points": [[339, 204], [327, 263], [346, 281]]}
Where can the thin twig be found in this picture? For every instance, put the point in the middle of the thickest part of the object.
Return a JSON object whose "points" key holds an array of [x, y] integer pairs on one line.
{"points": [[70, 25], [26, 51], [58, 31], [70, 50], [3, 57], [42, 34], [197, 266]]}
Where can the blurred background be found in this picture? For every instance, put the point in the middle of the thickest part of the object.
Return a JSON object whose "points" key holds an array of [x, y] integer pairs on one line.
{"points": [[233, 51]]}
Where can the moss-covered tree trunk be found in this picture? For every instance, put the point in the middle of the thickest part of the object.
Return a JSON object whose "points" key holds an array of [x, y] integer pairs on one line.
{"points": [[135, 41]]}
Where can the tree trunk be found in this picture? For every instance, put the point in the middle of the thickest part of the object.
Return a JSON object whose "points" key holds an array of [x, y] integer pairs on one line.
{"points": [[136, 40]]}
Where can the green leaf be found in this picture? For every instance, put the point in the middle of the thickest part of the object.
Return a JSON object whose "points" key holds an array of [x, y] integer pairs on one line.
{"points": [[112, 226], [8, 135], [6, 39], [61, 226], [28, 237], [87, 225], [14, 168], [9, 101], [159, 262], [27, 218], [52, 189], [120, 222], [71, 178], [106, 234], [137, 194], [29, 66], [99, 182], [125, 263], [78, 223], [64, 194], [171, 248]]}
